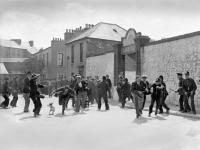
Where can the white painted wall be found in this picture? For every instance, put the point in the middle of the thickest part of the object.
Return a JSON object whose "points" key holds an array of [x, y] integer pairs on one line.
{"points": [[101, 65]]}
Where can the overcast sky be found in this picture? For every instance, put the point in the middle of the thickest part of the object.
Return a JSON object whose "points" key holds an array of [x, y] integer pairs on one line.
{"points": [[41, 20]]}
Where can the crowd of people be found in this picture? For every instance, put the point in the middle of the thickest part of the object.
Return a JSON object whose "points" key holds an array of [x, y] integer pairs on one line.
{"points": [[158, 92], [85, 92]]}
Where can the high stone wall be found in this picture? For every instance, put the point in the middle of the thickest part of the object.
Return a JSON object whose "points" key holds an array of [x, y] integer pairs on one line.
{"points": [[168, 58]]}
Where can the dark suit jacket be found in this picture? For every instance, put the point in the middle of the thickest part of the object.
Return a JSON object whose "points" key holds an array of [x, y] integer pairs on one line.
{"points": [[189, 85], [26, 88], [103, 89]]}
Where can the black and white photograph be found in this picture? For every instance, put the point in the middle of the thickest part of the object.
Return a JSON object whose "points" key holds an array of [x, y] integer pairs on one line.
{"points": [[99, 75]]}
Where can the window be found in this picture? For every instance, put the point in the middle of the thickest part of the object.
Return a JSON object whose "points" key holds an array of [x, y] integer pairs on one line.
{"points": [[60, 59], [81, 52], [72, 54]]}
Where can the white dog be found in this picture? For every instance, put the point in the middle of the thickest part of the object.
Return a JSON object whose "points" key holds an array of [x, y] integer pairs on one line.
{"points": [[52, 109]]}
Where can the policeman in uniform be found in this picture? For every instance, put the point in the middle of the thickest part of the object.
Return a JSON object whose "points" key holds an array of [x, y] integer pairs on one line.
{"points": [[190, 87]]}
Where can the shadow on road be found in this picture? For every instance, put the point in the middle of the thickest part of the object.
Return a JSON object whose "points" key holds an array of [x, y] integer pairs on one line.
{"points": [[27, 117], [20, 113], [159, 118], [68, 115], [141, 120]]}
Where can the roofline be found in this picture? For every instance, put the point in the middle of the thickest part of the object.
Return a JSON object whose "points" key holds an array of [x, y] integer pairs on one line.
{"points": [[92, 38], [42, 50], [170, 39], [113, 24], [94, 31], [14, 47]]}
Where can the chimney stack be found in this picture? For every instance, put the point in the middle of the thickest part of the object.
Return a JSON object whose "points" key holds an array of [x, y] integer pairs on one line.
{"points": [[31, 43]]}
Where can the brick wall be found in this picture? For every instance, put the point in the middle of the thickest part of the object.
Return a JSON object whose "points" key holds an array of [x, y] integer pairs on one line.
{"points": [[171, 56]]}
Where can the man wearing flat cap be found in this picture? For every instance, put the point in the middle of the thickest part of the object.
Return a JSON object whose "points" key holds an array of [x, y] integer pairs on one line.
{"points": [[190, 88]]}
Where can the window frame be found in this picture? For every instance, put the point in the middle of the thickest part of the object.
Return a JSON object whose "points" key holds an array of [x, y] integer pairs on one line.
{"points": [[60, 61]]}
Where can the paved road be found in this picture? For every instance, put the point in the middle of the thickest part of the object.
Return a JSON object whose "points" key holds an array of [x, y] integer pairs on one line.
{"points": [[116, 129]]}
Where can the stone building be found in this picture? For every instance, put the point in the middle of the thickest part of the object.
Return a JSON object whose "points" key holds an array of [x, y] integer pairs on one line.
{"points": [[163, 57], [92, 52], [56, 58]]}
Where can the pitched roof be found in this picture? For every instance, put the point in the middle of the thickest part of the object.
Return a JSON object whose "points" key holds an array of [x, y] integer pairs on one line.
{"points": [[104, 31], [14, 67], [13, 44], [12, 59], [3, 69]]}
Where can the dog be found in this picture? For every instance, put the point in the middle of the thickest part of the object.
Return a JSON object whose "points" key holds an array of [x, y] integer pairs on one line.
{"points": [[52, 109]]}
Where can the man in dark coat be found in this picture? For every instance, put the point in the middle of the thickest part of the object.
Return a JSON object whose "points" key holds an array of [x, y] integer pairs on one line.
{"points": [[35, 94], [15, 90], [109, 85], [137, 90], [183, 103], [26, 91], [5, 93], [190, 88], [155, 96], [163, 95], [64, 94], [126, 91], [102, 93]]}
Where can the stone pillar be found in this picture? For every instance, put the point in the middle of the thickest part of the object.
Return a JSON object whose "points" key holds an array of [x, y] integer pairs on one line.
{"points": [[119, 62], [140, 42]]}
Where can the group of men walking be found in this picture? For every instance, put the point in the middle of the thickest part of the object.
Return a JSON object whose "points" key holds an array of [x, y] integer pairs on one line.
{"points": [[82, 92], [30, 91], [139, 89]]}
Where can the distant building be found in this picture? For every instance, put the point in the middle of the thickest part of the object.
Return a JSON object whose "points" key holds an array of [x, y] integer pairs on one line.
{"points": [[56, 57], [88, 51], [92, 52], [12, 53]]}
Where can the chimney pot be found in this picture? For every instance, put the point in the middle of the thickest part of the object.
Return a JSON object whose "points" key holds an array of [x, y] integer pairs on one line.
{"points": [[31, 43]]}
